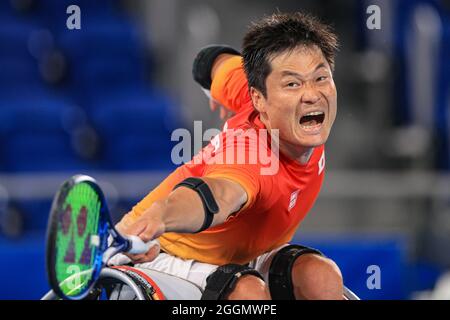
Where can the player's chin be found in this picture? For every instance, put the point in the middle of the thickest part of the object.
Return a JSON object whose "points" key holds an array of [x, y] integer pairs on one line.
{"points": [[310, 140], [312, 143]]}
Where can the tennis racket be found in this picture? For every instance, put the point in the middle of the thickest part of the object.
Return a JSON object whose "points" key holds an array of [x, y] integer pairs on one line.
{"points": [[77, 245]]}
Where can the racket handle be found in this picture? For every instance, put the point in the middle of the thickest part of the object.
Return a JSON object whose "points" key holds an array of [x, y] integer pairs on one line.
{"points": [[137, 246]]}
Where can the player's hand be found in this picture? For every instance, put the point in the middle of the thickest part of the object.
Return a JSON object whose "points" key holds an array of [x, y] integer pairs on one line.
{"points": [[225, 114], [148, 226]]}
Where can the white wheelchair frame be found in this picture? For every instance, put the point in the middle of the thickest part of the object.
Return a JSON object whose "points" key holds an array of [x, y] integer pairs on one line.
{"points": [[173, 288]]}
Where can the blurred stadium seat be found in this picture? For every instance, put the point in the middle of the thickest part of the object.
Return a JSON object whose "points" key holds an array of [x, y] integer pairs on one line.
{"points": [[41, 152], [443, 101], [53, 123], [106, 72], [35, 137], [15, 73], [136, 127], [43, 128], [387, 253], [14, 36], [23, 269], [105, 75], [30, 211]]}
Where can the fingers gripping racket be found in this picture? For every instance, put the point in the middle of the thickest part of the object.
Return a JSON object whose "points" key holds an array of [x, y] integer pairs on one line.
{"points": [[77, 238]]}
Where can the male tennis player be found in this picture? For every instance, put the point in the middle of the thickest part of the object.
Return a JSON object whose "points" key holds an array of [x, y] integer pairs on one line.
{"points": [[226, 225]]}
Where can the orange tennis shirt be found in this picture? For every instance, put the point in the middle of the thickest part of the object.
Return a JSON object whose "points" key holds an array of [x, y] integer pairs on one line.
{"points": [[278, 198]]}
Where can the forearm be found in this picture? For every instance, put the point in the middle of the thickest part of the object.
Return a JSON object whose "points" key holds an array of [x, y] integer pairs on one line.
{"points": [[182, 210]]}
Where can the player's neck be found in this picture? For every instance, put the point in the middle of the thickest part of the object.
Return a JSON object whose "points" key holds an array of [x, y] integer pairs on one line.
{"points": [[294, 152], [301, 155]]}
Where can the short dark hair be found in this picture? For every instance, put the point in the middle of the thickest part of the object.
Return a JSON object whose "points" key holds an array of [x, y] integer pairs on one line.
{"points": [[280, 32]]}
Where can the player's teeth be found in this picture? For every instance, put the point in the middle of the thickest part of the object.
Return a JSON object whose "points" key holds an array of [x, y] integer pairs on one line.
{"points": [[311, 124], [315, 113]]}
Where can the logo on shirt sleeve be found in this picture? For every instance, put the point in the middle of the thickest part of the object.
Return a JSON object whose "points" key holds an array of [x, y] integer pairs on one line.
{"points": [[293, 199], [321, 163]]}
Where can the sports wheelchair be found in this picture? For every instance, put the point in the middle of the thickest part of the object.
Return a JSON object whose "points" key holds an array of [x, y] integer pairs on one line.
{"points": [[131, 283]]}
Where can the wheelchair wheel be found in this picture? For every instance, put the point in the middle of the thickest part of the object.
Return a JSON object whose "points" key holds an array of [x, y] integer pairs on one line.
{"points": [[349, 295], [112, 285], [138, 284], [115, 284]]}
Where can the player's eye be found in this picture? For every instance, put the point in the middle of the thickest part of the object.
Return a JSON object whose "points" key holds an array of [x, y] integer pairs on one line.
{"points": [[293, 84], [322, 78]]}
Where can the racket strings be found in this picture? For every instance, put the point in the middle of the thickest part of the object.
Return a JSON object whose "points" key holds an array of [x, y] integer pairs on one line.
{"points": [[86, 205], [79, 224]]}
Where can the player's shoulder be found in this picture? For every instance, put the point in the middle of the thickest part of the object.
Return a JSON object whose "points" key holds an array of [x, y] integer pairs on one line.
{"points": [[230, 65], [244, 133]]}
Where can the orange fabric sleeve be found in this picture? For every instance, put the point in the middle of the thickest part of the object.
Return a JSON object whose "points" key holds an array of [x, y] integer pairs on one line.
{"points": [[245, 174], [244, 178], [230, 86], [161, 191]]}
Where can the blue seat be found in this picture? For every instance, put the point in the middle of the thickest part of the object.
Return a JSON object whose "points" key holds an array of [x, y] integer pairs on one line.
{"points": [[33, 112], [14, 36], [5, 6], [28, 109], [354, 254], [103, 56], [136, 111], [17, 74], [135, 127], [34, 213], [36, 134], [6, 9], [23, 261], [138, 152], [41, 152], [53, 12], [2, 154], [100, 36], [90, 7], [442, 115], [101, 76]]}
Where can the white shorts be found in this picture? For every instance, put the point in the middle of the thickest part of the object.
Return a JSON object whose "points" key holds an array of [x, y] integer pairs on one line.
{"points": [[197, 272]]}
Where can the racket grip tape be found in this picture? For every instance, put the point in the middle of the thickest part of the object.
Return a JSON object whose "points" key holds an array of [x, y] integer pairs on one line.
{"points": [[137, 246]]}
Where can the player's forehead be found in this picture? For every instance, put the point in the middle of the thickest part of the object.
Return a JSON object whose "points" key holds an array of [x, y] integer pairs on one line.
{"points": [[302, 60]]}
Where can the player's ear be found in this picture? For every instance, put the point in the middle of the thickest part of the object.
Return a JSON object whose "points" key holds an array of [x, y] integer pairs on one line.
{"points": [[258, 99]]}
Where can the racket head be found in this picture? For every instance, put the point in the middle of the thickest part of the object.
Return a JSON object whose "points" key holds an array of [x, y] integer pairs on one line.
{"points": [[77, 237]]}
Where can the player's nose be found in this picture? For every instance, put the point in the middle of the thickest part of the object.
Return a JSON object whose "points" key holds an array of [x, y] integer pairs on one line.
{"points": [[310, 95]]}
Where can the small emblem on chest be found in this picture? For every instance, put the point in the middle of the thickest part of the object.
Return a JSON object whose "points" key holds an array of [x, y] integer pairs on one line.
{"points": [[321, 163], [293, 199]]}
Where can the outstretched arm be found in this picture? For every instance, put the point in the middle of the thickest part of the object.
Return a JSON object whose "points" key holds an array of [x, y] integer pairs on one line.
{"points": [[182, 211]]}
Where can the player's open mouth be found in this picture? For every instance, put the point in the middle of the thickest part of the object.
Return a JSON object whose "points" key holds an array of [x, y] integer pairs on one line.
{"points": [[312, 120]]}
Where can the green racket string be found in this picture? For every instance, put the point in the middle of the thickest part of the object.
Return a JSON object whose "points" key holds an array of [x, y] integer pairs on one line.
{"points": [[76, 249]]}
